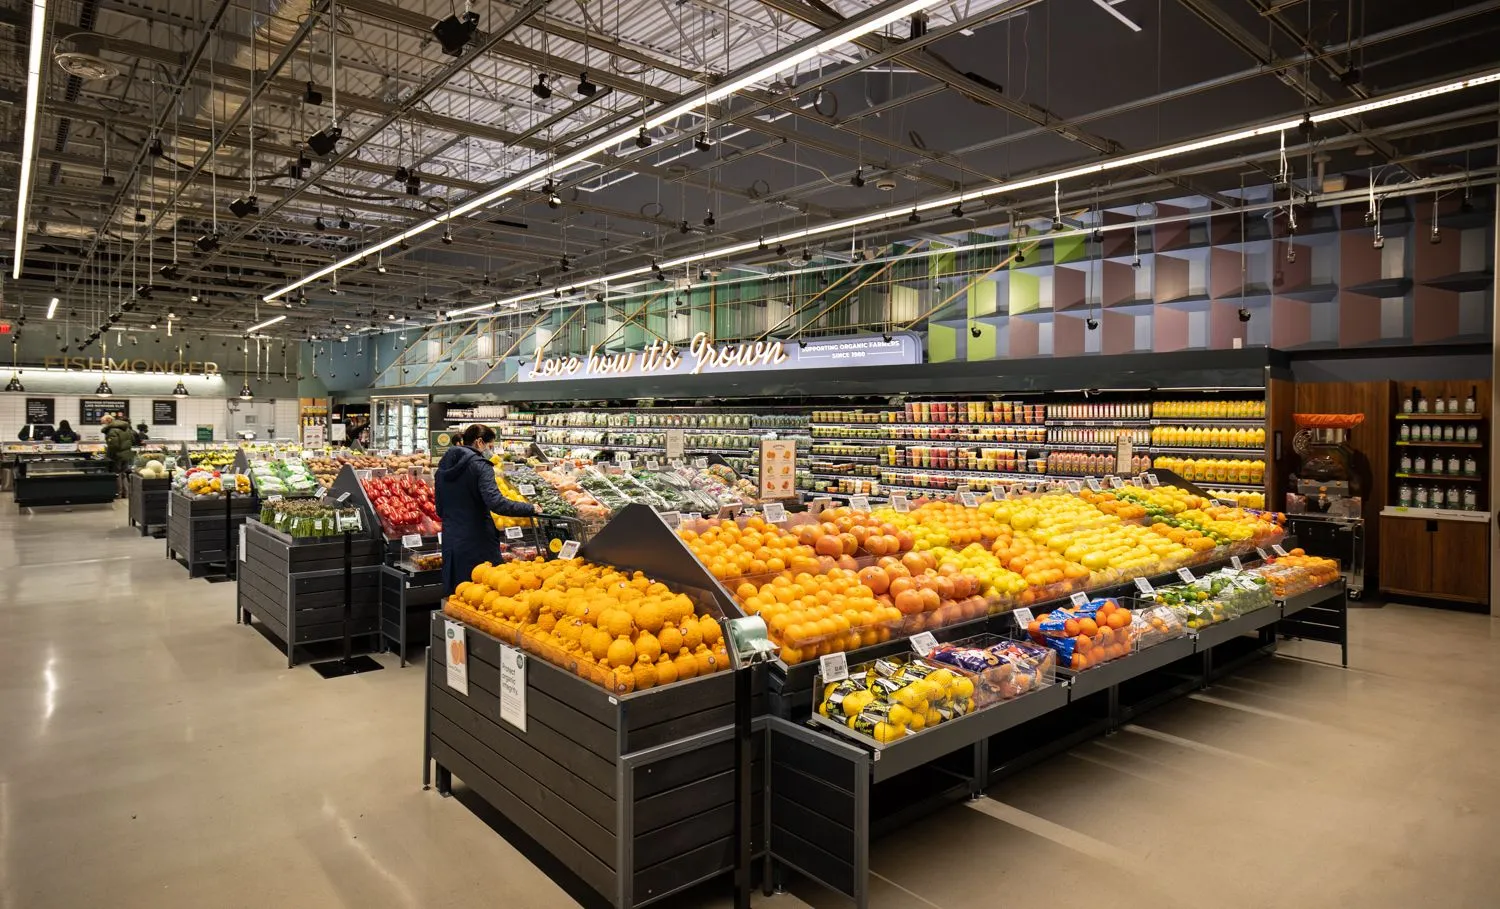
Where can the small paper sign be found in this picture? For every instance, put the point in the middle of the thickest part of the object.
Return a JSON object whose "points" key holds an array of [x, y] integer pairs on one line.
{"points": [[859, 503], [1152, 481], [1136, 481], [674, 462], [1234, 561], [513, 687], [1276, 548], [1261, 553], [1247, 583], [412, 541], [1186, 575], [1074, 486], [899, 503], [1023, 617], [514, 533], [457, 656], [1144, 586], [343, 497], [775, 513], [322, 491], [1114, 482], [623, 464], [569, 550], [273, 498], [1080, 598], [1093, 484], [833, 667], [967, 498], [923, 643], [526, 490], [700, 463], [653, 464], [672, 519]]}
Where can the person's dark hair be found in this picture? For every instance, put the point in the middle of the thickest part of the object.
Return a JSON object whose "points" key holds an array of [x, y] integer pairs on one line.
{"points": [[64, 427], [141, 427], [477, 432]]}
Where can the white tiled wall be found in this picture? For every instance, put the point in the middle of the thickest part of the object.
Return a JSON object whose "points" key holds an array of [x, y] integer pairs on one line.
{"points": [[191, 413]]}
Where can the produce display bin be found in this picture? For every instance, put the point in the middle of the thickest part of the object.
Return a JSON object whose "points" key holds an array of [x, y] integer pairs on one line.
{"points": [[296, 586], [197, 535], [407, 598], [148, 502], [1319, 615], [635, 793]]}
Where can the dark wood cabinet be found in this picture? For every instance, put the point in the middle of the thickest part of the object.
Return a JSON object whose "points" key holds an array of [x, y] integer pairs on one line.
{"points": [[1446, 560]]}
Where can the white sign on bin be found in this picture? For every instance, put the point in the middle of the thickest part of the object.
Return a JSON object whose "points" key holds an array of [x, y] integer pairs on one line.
{"points": [[513, 687], [456, 656]]}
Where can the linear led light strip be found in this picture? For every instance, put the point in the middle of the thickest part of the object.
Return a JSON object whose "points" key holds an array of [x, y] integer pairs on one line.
{"points": [[853, 29], [266, 324], [28, 142], [1482, 78]]}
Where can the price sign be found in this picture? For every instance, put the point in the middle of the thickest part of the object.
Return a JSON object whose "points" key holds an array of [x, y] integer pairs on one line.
{"points": [[318, 525], [833, 667], [923, 643], [343, 497], [1136, 481], [653, 464], [242, 542], [1080, 598], [1261, 553], [413, 541], [1114, 482], [1093, 484], [347, 521], [1152, 481], [1276, 548], [1215, 502], [624, 464], [775, 513], [899, 503], [322, 491], [967, 498], [273, 498], [1186, 575], [526, 490], [1247, 583], [674, 443], [514, 533], [513, 687], [1074, 486], [1235, 562], [1144, 586], [700, 463], [672, 519], [859, 503], [674, 463], [569, 550], [456, 656], [1023, 617]]}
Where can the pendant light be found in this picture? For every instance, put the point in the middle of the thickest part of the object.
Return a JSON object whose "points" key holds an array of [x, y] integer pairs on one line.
{"points": [[245, 392], [15, 375], [104, 390], [181, 390]]}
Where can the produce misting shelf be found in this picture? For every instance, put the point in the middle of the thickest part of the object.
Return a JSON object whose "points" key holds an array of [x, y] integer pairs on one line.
{"points": [[1452, 417], [1447, 477], [1425, 444]]}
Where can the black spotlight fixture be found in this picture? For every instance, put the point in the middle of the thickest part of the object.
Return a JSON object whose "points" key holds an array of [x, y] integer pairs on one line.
{"points": [[402, 245], [702, 142], [144, 291], [780, 249], [599, 298], [343, 223], [1244, 314], [708, 219], [802, 343], [15, 383], [858, 180], [1057, 225], [453, 32], [170, 272], [918, 25], [401, 173], [914, 218], [113, 318], [585, 87], [104, 390], [207, 243], [958, 210], [244, 206], [886, 338], [318, 224], [325, 140], [447, 236], [413, 184], [564, 264], [155, 148], [761, 243], [1091, 322], [1466, 205], [1020, 256], [180, 391], [311, 95], [681, 302], [642, 138], [973, 331], [549, 189], [684, 227], [541, 89], [140, 216], [1307, 127], [656, 271], [557, 293]]}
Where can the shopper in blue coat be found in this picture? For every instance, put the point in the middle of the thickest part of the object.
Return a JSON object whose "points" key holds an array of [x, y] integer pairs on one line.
{"points": [[466, 495]]}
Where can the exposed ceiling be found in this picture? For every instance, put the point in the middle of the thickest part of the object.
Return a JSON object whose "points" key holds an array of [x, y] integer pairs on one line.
{"points": [[994, 89]]}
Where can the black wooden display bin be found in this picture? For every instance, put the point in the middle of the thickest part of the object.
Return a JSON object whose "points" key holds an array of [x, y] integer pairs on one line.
{"points": [[196, 532], [295, 586], [634, 794], [148, 502], [407, 598]]}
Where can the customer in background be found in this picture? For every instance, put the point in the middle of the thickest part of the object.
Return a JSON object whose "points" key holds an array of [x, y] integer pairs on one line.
{"points": [[35, 432], [64, 434], [141, 435], [464, 486], [119, 446]]}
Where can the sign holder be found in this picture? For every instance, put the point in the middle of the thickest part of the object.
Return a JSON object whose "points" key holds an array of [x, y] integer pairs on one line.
{"points": [[348, 664]]}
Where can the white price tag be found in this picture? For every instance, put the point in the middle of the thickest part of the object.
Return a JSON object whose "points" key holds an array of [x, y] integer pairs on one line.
{"points": [[859, 503], [513, 687], [923, 643], [1247, 583], [899, 503], [514, 533], [1074, 486], [624, 464], [1186, 575], [412, 541], [1276, 548], [1023, 617], [1114, 482], [526, 490], [967, 498], [318, 525], [1152, 481], [775, 513], [833, 667], [569, 550], [674, 462], [653, 464], [343, 497], [1144, 586], [242, 542], [1093, 483], [1136, 481], [322, 491], [456, 656], [1261, 553], [273, 498], [1215, 502], [1079, 598], [672, 519], [1234, 561], [700, 463]]}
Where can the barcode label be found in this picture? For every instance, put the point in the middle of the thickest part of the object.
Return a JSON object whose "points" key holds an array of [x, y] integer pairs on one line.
{"points": [[526, 489], [833, 667], [859, 503], [514, 533]]}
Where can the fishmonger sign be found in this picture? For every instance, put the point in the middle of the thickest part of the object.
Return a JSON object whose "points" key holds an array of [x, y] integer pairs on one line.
{"points": [[704, 357]]}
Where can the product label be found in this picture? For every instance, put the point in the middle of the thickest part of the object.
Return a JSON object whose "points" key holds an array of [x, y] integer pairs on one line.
{"points": [[1276, 548], [1114, 482], [1186, 575], [457, 656], [833, 667], [700, 463], [514, 533], [320, 493], [859, 503], [526, 489], [1074, 486], [412, 541], [653, 464], [1023, 617], [899, 503], [775, 513], [672, 519], [513, 687], [1152, 481], [1079, 598], [343, 497], [273, 498], [923, 643], [1262, 553], [1093, 483], [1234, 562], [1144, 586], [569, 550], [967, 498]]}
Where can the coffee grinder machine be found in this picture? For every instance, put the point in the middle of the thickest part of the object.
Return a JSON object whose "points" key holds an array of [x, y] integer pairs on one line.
{"points": [[1326, 511]]}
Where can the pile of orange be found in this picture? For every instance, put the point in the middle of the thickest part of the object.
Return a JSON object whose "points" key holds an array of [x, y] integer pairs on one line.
{"points": [[1105, 635], [1039, 565], [1190, 537], [1109, 503], [729, 550], [810, 615], [959, 525], [622, 631]]}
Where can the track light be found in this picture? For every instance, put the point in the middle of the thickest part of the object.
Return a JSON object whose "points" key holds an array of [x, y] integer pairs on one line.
{"points": [[170, 272], [1379, 241], [913, 218], [557, 293], [684, 228], [708, 219], [302, 298], [760, 244], [343, 223], [318, 224], [802, 343], [140, 216], [311, 95], [656, 271], [1057, 225], [564, 264], [401, 173], [447, 236], [858, 180], [1291, 253], [1020, 256], [104, 390], [886, 338], [1244, 314], [599, 298], [702, 142], [1435, 236], [585, 87], [207, 243], [958, 210], [553, 199], [1091, 322], [403, 245], [244, 206], [780, 249], [413, 184], [325, 140], [155, 148], [541, 89], [973, 331], [454, 33], [144, 291], [1136, 262], [642, 138], [681, 302], [379, 264]]}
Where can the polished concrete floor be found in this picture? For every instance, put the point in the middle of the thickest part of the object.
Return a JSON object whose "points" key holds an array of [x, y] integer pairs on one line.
{"points": [[155, 754]]}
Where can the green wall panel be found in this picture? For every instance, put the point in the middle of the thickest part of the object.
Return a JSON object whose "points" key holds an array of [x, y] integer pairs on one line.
{"points": [[1025, 292], [985, 346], [942, 343]]}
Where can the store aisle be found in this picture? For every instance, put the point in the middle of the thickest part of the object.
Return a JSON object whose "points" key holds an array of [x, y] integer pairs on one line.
{"points": [[154, 754]]}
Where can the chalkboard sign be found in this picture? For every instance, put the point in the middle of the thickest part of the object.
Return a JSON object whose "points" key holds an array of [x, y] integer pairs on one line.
{"points": [[164, 413], [92, 411], [41, 410]]}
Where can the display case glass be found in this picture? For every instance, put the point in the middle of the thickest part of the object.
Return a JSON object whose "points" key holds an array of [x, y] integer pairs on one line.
{"points": [[399, 423]]}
